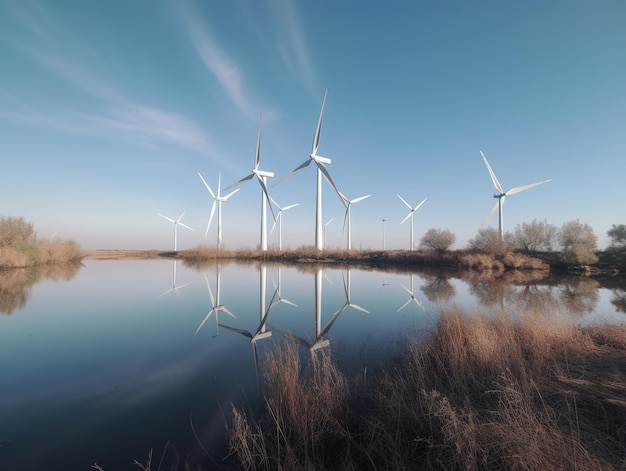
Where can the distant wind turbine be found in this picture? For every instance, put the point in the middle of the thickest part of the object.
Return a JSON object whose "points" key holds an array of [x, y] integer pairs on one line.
{"points": [[322, 171], [174, 287], [502, 194], [346, 219], [279, 220], [216, 305], [262, 177], [176, 224], [410, 215], [412, 298], [324, 233], [218, 199], [349, 303]]}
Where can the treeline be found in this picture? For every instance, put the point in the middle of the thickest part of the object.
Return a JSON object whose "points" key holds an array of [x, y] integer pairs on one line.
{"points": [[20, 246], [574, 243]]}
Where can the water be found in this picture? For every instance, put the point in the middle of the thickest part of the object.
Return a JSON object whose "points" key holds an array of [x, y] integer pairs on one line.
{"points": [[102, 364]]}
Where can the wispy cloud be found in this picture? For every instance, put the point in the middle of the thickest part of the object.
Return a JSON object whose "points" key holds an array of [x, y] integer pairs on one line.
{"points": [[108, 112], [225, 69], [290, 41]]}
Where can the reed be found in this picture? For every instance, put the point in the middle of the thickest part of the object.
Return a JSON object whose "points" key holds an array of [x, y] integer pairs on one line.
{"points": [[483, 392]]}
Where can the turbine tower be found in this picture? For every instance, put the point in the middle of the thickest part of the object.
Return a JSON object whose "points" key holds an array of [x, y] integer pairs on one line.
{"points": [[322, 171], [502, 195], [176, 224], [347, 203], [262, 177], [218, 199], [410, 216], [279, 220]]}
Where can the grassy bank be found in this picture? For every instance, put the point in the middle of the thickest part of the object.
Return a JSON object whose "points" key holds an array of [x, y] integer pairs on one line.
{"points": [[482, 393], [39, 252]]}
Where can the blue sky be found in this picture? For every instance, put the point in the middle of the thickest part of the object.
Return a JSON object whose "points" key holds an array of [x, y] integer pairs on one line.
{"points": [[109, 109]]}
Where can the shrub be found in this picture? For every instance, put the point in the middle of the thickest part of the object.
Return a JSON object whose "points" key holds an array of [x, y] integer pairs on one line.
{"points": [[438, 240], [15, 229]]}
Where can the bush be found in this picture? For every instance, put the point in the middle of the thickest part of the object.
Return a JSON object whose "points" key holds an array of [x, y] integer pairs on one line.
{"points": [[438, 240], [578, 243], [488, 241], [15, 229]]}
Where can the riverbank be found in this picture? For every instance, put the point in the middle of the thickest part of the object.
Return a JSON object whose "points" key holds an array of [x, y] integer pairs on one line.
{"points": [[481, 393], [611, 262]]}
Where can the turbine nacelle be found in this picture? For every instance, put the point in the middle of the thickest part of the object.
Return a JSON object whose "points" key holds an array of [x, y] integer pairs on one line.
{"points": [[320, 159]]}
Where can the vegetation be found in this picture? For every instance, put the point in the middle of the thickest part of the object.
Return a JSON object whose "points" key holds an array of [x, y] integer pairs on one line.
{"points": [[439, 240], [482, 393], [578, 243], [20, 247], [617, 233], [534, 236]]}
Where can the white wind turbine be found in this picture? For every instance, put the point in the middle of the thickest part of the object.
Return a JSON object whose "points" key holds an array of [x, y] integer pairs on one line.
{"points": [[502, 194], [346, 219], [324, 232], [262, 177], [410, 215], [321, 172], [216, 305], [218, 199], [176, 224], [412, 298], [279, 220]]}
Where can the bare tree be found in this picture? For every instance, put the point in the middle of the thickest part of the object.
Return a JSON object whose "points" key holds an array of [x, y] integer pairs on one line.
{"points": [[488, 240], [438, 240], [15, 229], [617, 233], [534, 236], [578, 243]]}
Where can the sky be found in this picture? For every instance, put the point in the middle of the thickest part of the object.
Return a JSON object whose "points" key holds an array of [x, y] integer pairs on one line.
{"points": [[108, 111]]}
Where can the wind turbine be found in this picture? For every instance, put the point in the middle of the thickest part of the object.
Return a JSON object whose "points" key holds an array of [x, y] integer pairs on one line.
{"points": [[347, 203], [324, 232], [412, 298], [262, 177], [218, 199], [216, 305], [278, 293], [410, 215], [502, 195], [279, 220], [176, 224], [322, 171], [349, 303], [174, 287]]}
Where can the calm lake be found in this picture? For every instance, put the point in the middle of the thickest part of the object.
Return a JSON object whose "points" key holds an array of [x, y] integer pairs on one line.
{"points": [[102, 364]]}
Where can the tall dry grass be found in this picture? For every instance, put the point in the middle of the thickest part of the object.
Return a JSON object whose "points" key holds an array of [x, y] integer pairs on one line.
{"points": [[484, 392]]}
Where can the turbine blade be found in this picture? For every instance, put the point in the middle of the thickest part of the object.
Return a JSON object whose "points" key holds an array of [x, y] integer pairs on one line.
{"points": [[264, 188], [203, 322], [228, 312], [494, 179], [275, 221], [404, 201], [239, 331], [207, 185], [418, 206], [170, 220], [180, 217], [329, 179], [290, 206], [224, 198], [302, 166], [286, 301], [407, 290], [407, 217], [361, 198], [257, 156], [208, 285], [345, 219], [405, 305], [519, 189], [243, 180], [493, 210], [359, 308], [316, 138], [210, 218], [185, 225]]}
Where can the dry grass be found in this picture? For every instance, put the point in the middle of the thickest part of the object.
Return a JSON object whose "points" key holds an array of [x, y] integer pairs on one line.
{"points": [[482, 393], [28, 254]]}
